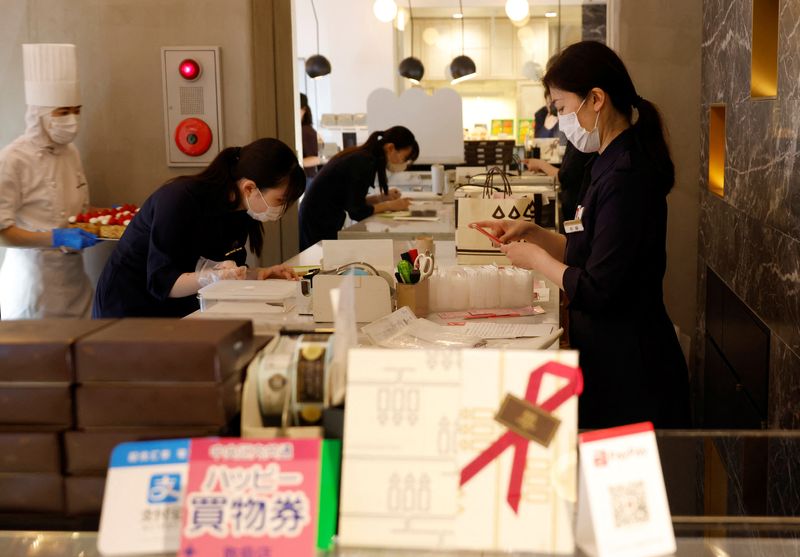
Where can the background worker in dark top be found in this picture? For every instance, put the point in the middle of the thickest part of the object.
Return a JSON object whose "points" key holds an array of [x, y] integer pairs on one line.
{"points": [[192, 232], [546, 119], [311, 160], [612, 266], [342, 184], [570, 177]]}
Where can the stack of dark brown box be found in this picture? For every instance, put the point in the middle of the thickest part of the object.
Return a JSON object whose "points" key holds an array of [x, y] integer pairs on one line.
{"points": [[150, 379], [36, 377]]}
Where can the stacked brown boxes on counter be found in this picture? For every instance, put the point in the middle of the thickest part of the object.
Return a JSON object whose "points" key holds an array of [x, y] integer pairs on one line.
{"points": [[71, 390], [150, 379], [37, 373]]}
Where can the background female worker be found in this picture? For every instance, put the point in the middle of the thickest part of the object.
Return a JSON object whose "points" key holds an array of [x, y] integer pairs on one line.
{"points": [[342, 184]]}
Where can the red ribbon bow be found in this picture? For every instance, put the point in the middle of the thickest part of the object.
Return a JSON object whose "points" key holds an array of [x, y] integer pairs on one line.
{"points": [[520, 444]]}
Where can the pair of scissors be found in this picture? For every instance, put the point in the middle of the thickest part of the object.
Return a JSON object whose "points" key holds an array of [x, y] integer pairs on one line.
{"points": [[424, 264]]}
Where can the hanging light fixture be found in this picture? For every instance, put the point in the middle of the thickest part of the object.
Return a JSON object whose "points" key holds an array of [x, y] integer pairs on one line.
{"points": [[517, 10], [384, 10], [317, 65], [462, 67], [411, 68]]}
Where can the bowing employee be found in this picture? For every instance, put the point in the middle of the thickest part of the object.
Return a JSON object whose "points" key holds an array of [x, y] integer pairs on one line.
{"points": [[192, 232], [342, 185], [611, 261]]}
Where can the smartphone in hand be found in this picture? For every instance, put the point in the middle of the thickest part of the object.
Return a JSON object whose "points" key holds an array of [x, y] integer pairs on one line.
{"points": [[486, 233]]}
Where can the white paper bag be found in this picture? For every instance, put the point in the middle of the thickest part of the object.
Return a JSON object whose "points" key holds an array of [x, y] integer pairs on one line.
{"points": [[472, 247]]}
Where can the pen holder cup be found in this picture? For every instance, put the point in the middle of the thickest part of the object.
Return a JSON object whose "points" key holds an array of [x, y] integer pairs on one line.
{"points": [[415, 296]]}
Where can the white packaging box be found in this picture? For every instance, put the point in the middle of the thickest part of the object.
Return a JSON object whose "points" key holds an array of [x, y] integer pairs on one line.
{"points": [[250, 296], [415, 418]]}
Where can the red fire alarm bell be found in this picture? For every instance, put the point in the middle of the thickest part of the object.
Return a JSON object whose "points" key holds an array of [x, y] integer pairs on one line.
{"points": [[193, 137]]}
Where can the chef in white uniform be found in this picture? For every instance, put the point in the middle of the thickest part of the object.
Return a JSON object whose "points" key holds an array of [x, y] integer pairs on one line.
{"points": [[41, 185]]}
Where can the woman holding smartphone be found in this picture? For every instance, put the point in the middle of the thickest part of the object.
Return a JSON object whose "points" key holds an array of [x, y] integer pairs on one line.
{"points": [[611, 261]]}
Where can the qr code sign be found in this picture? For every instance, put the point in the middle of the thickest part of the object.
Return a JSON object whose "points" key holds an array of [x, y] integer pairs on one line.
{"points": [[630, 504]]}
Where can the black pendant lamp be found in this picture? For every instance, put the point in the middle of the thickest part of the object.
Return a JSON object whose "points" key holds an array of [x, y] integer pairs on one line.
{"points": [[462, 67], [317, 65], [411, 68]]}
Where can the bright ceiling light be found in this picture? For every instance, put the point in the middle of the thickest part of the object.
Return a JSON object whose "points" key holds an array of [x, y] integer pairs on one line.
{"points": [[384, 10], [430, 36], [522, 22], [551, 14], [402, 19], [458, 15], [517, 10]]}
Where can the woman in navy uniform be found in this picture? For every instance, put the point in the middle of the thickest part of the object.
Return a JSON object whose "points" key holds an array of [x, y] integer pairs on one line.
{"points": [[611, 261], [192, 231], [342, 184]]}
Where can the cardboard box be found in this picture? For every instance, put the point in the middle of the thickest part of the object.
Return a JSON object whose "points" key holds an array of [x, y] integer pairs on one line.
{"points": [[36, 404], [84, 494], [199, 350], [87, 452], [158, 404], [30, 452], [31, 493], [41, 349]]}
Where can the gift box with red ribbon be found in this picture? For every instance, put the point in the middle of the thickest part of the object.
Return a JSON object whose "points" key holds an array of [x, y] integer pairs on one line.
{"points": [[469, 449]]}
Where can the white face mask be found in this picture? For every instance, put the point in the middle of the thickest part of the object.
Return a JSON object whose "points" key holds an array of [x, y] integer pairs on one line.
{"points": [[61, 129], [583, 140], [271, 214], [396, 166]]}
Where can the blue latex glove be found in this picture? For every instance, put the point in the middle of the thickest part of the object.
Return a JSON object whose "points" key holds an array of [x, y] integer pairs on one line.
{"points": [[74, 238]]}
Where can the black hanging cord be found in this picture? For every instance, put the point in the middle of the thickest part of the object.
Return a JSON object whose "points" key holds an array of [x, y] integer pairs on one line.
{"points": [[411, 20], [314, 9], [461, 10]]}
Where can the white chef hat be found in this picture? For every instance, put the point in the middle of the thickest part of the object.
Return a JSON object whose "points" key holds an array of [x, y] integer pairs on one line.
{"points": [[51, 74]]}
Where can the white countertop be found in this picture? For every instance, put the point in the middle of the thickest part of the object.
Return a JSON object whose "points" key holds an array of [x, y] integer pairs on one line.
{"points": [[445, 256], [382, 227]]}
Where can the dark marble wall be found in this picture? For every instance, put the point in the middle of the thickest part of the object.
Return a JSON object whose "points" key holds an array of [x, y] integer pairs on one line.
{"points": [[593, 18], [751, 236], [737, 473]]}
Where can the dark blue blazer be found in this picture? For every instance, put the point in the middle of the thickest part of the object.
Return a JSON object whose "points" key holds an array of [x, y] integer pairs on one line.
{"points": [[633, 366], [340, 187], [179, 223]]}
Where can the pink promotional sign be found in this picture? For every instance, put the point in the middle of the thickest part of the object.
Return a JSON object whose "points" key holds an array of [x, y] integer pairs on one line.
{"points": [[251, 498]]}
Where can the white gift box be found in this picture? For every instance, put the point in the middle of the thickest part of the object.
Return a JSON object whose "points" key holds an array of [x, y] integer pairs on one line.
{"points": [[414, 422]]}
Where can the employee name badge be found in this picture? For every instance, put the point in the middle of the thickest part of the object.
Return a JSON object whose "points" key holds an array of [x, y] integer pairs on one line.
{"points": [[622, 503], [575, 225], [143, 498]]}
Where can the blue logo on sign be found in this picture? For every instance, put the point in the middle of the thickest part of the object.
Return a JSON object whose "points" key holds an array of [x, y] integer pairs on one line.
{"points": [[164, 488]]}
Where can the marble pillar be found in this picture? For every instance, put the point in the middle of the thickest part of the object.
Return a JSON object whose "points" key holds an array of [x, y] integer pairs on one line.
{"points": [[750, 237]]}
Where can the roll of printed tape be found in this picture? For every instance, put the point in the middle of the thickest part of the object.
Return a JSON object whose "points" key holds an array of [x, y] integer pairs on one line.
{"points": [[309, 380], [273, 377]]}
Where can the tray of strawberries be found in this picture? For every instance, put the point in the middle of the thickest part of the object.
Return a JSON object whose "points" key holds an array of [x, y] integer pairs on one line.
{"points": [[108, 224]]}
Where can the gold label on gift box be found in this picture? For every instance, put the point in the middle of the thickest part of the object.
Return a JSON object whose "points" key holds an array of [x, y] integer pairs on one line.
{"points": [[528, 420]]}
